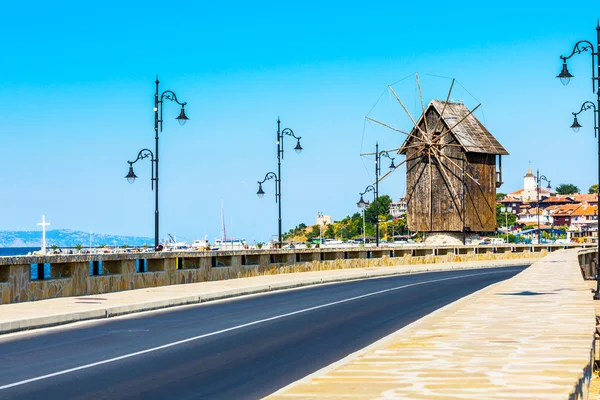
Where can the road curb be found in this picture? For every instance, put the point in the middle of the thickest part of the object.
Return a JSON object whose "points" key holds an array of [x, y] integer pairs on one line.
{"points": [[114, 311]]}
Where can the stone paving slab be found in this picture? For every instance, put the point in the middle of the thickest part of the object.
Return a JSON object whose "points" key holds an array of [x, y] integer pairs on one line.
{"points": [[42, 313], [529, 337]]}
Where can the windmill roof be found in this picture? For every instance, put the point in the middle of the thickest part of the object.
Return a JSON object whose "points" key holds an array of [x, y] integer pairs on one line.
{"points": [[468, 131]]}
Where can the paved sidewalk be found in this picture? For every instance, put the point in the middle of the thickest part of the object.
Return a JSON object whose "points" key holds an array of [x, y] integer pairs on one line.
{"points": [[42, 313], [529, 337]]}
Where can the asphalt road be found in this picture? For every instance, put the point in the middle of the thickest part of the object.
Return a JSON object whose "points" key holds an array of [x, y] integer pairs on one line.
{"points": [[244, 348]]}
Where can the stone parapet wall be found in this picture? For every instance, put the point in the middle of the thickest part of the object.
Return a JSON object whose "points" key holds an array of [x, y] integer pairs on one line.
{"points": [[70, 274]]}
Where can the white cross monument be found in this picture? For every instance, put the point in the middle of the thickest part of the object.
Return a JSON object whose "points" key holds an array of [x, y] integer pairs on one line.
{"points": [[44, 224]]}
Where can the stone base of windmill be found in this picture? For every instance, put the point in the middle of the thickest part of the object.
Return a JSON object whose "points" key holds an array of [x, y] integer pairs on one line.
{"points": [[450, 238]]}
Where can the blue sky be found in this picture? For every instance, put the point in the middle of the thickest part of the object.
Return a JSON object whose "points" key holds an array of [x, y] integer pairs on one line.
{"points": [[77, 87]]}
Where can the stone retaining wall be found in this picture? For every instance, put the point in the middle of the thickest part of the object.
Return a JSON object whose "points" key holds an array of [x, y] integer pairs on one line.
{"points": [[70, 274]]}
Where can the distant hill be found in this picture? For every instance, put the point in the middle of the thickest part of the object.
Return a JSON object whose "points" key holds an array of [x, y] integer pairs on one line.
{"points": [[68, 238]]}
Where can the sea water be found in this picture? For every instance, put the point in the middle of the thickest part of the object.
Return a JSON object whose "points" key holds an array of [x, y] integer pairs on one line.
{"points": [[17, 251], [23, 251]]}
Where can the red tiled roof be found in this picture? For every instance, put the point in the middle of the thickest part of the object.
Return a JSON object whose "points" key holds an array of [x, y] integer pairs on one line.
{"points": [[540, 189], [585, 209], [532, 211], [558, 199], [508, 199], [566, 210], [590, 198]]}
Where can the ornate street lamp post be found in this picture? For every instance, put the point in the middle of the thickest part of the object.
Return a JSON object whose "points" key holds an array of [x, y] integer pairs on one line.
{"points": [[565, 76], [280, 135], [538, 180], [506, 210], [378, 154], [260, 193], [362, 204], [158, 124]]}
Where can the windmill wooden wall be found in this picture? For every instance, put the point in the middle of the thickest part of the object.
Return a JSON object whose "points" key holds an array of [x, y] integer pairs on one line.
{"points": [[436, 189]]}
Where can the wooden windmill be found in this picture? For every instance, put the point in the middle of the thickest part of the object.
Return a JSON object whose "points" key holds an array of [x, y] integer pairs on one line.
{"points": [[451, 174]]}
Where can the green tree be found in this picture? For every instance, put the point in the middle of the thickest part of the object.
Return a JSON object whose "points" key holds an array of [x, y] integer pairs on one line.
{"points": [[297, 231], [78, 246], [396, 227], [354, 226], [379, 209], [567, 188], [329, 232], [500, 196], [593, 189], [314, 232]]}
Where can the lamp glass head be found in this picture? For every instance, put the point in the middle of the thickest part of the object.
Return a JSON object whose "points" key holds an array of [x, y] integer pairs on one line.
{"points": [[131, 176], [361, 203], [260, 192], [549, 186], [576, 126], [298, 148], [182, 118], [392, 165], [564, 76]]}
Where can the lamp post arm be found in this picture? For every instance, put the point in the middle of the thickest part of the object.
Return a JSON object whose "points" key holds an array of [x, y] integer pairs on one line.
{"points": [[145, 153], [578, 50], [170, 95], [368, 189], [583, 46], [281, 134], [289, 132], [586, 106], [386, 154], [269, 176], [167, 95]]}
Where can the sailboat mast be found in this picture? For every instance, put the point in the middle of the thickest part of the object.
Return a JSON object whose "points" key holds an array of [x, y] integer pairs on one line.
{"points": [[223, 221]]}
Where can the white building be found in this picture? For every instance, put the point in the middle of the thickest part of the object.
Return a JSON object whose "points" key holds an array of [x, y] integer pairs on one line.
{"points": [[398, 208], [530, 216]]}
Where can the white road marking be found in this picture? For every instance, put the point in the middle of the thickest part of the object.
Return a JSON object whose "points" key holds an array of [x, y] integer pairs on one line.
{"points": [[233, 328]]}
